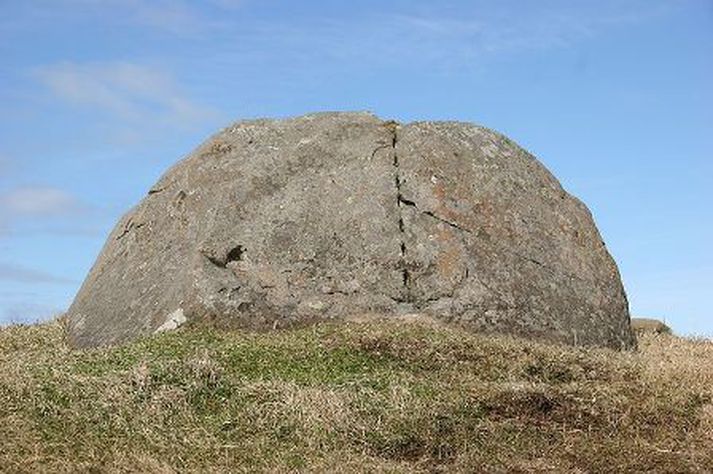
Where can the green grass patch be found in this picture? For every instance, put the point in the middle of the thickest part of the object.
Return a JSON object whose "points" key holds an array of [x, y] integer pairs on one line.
{"points": [[385, 397]]}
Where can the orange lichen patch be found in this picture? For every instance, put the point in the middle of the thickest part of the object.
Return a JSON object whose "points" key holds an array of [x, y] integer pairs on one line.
{"points": [[439, 191], [442, 195], [449, 259], [486, 213]]}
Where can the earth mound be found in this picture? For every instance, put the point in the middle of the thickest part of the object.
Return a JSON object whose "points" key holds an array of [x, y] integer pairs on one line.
{"points": [[272, 223]]}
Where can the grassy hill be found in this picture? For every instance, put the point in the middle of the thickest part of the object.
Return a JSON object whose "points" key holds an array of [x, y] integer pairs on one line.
{"points": [[357, 397]]}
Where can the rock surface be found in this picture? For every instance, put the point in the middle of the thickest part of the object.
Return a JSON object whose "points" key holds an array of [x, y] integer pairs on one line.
{"points": [[326, 216], [649, 325]]}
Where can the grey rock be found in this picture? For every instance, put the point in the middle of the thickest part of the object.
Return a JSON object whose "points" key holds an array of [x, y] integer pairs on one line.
{"points": [[649, 325], [272, 223]]}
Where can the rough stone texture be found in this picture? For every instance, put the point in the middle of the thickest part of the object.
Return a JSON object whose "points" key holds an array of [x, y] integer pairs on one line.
{"points": [[326, 216], [648, 325]]}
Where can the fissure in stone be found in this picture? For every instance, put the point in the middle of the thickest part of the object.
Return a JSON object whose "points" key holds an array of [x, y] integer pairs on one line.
{"points": [[400, 200]]}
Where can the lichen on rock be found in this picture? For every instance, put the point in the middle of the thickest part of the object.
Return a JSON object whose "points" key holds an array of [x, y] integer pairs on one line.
{"points": [[272, 223]]}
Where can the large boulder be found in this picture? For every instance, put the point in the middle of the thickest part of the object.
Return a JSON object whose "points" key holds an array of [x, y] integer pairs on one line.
{"points": [[642, 326], [327, 216]]}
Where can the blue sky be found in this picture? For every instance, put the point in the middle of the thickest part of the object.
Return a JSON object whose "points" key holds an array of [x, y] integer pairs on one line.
{"points": [[99, 97]]}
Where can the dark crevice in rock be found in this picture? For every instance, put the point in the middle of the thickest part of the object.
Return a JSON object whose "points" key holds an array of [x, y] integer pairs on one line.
{"points": [[338, 292], [434, 299], [404, 201], [155, 191], [406, 278], [447, 222], [408, 202], [129, 227], [382, 147], [400, 300], [215, 261], [401, 201], [126, 230], [230, 293], [234, 255]]}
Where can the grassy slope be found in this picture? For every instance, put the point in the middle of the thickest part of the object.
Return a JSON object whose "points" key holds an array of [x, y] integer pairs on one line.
{"points": [[352, 398]]}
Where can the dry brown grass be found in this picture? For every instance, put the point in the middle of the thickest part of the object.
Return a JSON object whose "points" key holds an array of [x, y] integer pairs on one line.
{"points": [[359, 397]]}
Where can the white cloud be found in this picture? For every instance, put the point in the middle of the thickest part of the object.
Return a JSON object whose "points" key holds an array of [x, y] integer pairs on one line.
{"points": [[134, 93], [39, 201]]}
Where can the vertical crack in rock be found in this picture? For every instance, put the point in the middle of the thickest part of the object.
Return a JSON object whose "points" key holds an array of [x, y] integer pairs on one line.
{"points": [[400, 201], [438, 235]]}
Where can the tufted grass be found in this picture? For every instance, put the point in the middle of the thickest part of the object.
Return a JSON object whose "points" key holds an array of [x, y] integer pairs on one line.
{"points": [[354, 397]]}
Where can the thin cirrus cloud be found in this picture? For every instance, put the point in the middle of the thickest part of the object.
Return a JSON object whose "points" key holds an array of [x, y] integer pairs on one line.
{"points": [[431, 40], [14, 273], [177, 17], [174, 17], [130, 92], [39, 201]]}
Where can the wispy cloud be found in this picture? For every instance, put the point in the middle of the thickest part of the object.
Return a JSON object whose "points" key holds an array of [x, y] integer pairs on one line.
{"points": [[430, 39], [179, 17], [173, 17], [40, 201], [131, 92], [20, 274]]}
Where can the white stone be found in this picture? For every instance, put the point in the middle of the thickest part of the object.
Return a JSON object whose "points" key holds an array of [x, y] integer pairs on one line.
{"points": [[174, 321]]}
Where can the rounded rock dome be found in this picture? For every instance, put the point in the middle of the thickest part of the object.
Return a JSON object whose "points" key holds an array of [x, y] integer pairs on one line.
{"points": [[326, 216]]}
